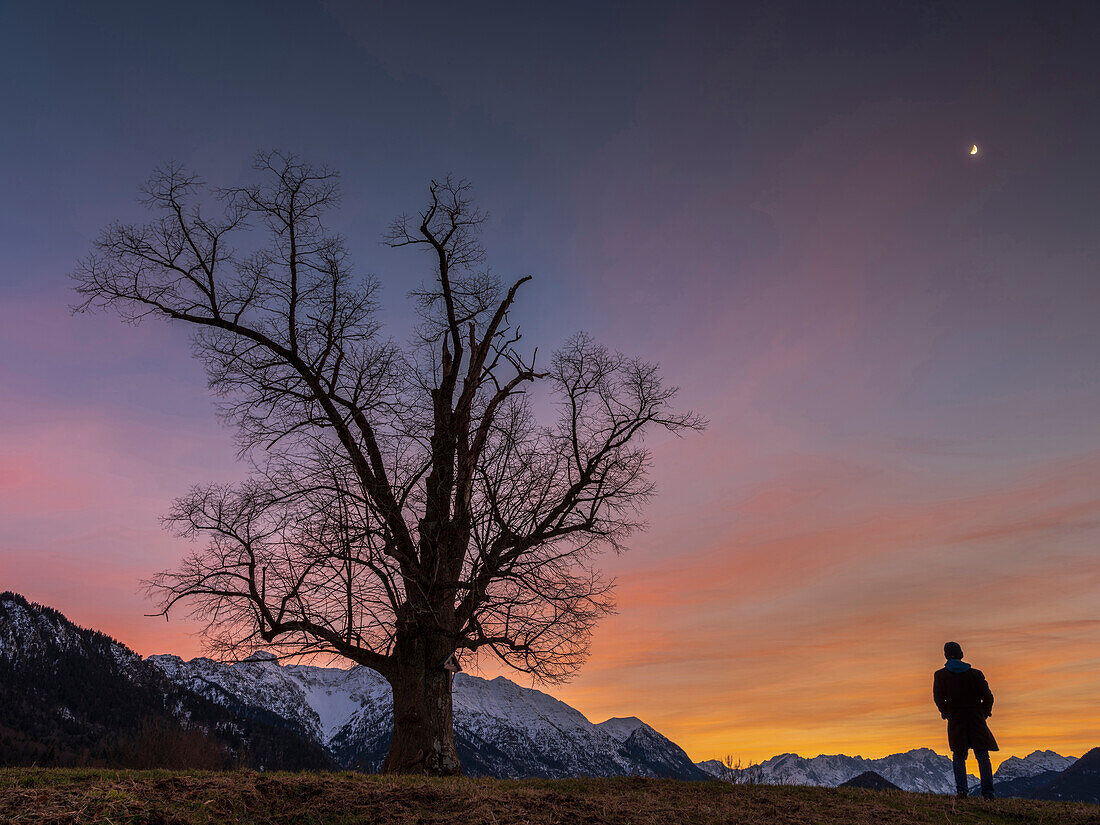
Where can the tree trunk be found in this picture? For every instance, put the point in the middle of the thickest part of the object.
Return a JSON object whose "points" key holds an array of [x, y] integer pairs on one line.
{"points": [[423, 714]]}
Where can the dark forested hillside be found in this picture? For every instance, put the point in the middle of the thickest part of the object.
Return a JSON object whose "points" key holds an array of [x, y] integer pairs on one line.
{"points": [[71, 696]]}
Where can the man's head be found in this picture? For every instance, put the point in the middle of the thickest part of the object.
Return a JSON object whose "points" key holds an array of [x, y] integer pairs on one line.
{"points": [[953, 650]]}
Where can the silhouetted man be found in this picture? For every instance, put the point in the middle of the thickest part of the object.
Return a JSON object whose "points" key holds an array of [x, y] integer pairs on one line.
{"points": [[965, 701]]}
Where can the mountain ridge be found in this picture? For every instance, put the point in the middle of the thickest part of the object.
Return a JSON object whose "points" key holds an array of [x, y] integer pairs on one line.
{"points": [[301, 715], [259, 711], [505, 729]]}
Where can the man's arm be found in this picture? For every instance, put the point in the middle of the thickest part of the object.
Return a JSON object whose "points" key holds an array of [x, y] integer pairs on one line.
{"points": [[938, 695], [984, 694]]}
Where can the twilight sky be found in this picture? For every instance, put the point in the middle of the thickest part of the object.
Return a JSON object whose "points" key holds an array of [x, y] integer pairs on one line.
{"points": [[896, 343]]}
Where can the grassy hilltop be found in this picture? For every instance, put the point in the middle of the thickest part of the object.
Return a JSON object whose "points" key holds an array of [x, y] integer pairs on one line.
{"points": [[63, 796]]}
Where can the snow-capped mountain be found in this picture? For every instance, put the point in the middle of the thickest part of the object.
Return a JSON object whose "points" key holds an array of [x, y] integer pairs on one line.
{"points": [[1041, 775], [1034, 763], [317, 701], [501, 728], [1080, 782], [921, 770]]}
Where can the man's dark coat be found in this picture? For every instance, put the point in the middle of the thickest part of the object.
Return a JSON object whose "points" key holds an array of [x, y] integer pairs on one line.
{"points": [[965, 701]]}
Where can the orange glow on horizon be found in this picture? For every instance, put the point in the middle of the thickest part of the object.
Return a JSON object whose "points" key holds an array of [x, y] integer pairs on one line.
{"points": [[741, 630]]}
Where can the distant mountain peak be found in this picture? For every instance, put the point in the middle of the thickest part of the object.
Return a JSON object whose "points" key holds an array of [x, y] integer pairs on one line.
{"points": [[621, 728], [261, 656], [1035, 763]]}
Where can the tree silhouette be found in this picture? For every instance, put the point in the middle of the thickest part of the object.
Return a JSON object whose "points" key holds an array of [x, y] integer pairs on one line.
{"points": [[406, 504]]}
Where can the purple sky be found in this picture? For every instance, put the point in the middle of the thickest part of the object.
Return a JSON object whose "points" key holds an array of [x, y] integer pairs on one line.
{"points": [[896, 343]]}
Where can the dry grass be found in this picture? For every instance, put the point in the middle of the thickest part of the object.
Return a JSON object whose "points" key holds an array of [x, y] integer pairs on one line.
{"points": [[31, 795]]}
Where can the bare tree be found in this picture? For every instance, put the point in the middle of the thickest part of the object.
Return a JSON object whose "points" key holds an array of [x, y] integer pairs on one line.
{"points": [[740, 773], [406, 505]]}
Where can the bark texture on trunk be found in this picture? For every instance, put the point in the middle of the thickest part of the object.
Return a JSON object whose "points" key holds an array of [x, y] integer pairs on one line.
{"points": [[423, 714]]}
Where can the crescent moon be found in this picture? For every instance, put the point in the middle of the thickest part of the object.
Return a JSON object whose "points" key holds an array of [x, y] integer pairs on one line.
{"points": [[974, 149]]}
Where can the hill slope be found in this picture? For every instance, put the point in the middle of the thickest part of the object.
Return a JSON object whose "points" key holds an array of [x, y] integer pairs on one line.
{"points": [[84, 797], [871, 781]]}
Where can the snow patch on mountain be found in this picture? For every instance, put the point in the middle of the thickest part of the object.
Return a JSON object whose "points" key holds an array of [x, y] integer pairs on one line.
{"points": [[620, 728], [336, 695], [479, 703]]}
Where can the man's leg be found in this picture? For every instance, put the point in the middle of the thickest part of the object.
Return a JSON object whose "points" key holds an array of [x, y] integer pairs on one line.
{"points": [[958, 762], [985, 770]]}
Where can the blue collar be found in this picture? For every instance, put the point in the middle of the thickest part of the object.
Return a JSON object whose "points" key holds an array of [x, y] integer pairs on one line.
{"points": [[957, 666]]}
